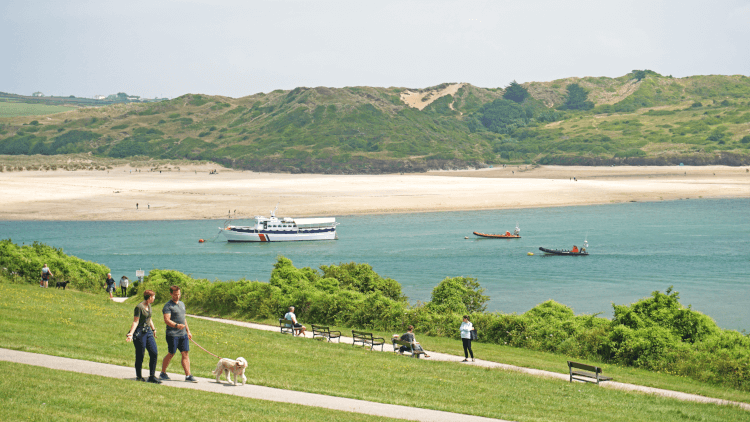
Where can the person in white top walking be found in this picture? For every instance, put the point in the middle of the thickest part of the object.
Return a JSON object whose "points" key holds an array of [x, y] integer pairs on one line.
{"points": [[466, 329]]}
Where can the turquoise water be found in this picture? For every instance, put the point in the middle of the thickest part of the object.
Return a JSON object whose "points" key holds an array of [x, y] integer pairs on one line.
{"points": [[702, 247]]}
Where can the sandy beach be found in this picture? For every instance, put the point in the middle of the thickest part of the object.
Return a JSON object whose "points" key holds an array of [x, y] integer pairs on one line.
{"points": [[193, 193]]}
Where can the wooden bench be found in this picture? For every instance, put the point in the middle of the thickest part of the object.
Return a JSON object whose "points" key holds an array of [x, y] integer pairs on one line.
{"points": [[322, 331], [367, 338], [588, 372], [397, 343], [287, 326]]}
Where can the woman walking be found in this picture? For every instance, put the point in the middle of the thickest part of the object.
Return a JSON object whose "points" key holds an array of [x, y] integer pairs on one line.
{"points": [[142, 335], [466, 329]]}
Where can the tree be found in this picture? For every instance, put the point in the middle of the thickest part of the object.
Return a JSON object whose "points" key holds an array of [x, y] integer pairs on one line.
{"points": [[503, 116], [459, 295], [577, 99], [515, 92]]}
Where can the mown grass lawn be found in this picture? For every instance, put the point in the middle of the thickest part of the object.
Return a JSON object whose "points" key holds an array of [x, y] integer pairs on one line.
{"points": [[31, 393], [557, 363], [90, 327]]}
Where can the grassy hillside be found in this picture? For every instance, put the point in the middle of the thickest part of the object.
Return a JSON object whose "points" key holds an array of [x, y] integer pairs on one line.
{"points": [[91, 327], [641, 118]]}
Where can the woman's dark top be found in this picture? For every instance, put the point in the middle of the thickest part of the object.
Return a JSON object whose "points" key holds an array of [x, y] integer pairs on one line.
{"points": [[144, 315]]}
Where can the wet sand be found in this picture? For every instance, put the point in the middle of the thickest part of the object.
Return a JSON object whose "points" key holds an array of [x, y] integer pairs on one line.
{"points": [[193, 193]]}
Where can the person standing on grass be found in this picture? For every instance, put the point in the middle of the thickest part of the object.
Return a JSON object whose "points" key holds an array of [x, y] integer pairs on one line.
{"points": [[142, 334], [299, 328], [466, 328], [110, 284], [124, 283], [46, 274], [178, 334]]}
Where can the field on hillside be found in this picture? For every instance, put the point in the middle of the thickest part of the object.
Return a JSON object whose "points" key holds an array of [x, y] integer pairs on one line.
{"points": [[8, 109], [306, 365]]}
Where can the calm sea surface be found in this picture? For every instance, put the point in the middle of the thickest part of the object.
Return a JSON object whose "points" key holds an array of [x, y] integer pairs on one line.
{"points": [[701, 247]]}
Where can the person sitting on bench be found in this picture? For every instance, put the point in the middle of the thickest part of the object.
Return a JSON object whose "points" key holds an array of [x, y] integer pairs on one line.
{"points": [[409, 337], [298, 328]]}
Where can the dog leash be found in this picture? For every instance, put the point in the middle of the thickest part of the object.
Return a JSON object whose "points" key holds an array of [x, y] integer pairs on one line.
{"points": [[196, 343]]}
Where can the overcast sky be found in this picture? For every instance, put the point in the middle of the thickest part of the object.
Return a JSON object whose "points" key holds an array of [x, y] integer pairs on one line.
{"points": [[161, 48]]}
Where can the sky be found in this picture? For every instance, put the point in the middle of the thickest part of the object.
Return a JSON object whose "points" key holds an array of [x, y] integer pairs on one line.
{"points": [[167, 48]]}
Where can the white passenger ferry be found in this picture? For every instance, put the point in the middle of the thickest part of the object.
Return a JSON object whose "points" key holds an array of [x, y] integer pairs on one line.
{"points": [[284, 229]]}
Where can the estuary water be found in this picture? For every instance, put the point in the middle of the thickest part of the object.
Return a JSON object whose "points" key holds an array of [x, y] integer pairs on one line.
{"points": [[701, 247]]}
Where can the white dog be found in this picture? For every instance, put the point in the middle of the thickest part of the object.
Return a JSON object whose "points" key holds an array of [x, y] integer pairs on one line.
{"points": [[236, 367]]}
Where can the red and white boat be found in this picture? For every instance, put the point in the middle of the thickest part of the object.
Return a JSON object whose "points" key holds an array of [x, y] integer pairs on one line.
{"points": [[286, 229]]}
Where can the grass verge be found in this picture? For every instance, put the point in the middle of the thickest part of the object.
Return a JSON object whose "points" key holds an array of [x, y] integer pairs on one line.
{"points": [[30, 393], [90, 327]]}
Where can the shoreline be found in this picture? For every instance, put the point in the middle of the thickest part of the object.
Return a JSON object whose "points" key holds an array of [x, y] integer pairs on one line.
{"points": [[193, 194]]}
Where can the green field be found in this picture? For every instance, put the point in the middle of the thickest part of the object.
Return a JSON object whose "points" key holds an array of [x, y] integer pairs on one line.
{"points": [[90, 327], [8, 109]]}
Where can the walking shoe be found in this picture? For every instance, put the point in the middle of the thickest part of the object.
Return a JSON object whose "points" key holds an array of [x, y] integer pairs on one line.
{"points": [[153, 380], [140, 379], [190, 378], [164, 376]]}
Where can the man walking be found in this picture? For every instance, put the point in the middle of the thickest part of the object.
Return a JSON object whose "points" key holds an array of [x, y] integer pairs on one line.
{"points": [[178, 334]]}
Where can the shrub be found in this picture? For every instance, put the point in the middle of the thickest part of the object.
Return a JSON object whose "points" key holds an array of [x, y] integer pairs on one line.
{"points": [[27, 262]]}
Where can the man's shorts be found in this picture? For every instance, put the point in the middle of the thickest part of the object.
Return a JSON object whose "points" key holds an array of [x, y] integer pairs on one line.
{"points": [[174, 343]]}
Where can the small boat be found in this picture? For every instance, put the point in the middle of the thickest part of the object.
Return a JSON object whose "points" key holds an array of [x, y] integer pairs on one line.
{"points": [[573, 252], [507, 235], [284, 229]]}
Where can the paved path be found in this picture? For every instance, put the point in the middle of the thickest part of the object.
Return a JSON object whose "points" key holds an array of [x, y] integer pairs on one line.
{"points": [[537, 372], [248, 390]]}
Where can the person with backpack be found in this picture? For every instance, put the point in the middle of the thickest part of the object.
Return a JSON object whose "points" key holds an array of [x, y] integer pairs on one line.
{"points": [[46, 274]]}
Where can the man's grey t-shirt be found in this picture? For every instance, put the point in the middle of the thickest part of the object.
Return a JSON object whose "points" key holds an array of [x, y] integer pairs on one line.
{"points": [[178, 315]]}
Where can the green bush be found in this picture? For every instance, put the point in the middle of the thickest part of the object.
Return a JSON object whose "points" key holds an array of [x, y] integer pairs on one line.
{"points": [[26, 262]]}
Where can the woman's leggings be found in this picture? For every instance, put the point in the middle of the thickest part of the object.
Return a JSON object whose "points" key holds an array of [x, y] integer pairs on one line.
{"points": [[467, 347], [143, 342]]}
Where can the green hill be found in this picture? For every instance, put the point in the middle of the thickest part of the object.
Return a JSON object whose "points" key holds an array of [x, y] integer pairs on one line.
{"points": [[640, 118]]}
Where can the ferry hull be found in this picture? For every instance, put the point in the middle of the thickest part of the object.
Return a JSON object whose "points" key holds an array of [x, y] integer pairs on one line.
{"points": [[232, 235]]}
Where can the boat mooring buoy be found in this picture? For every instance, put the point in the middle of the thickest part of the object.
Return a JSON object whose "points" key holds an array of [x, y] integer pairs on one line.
{"points": [[201, 240], [530, 254], [466, 237]]}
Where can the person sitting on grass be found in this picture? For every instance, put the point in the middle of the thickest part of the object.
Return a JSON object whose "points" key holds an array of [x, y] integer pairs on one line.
{"points": [[298, 328], [409, 337]]}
